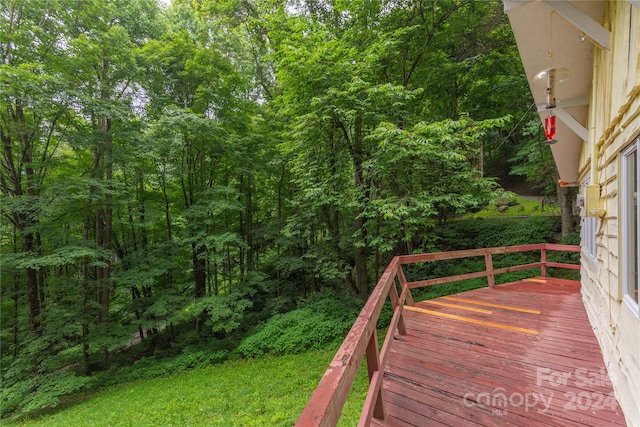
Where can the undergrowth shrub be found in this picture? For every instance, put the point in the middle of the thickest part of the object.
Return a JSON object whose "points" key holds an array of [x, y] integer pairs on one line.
{"points": [[40, 393], [493, 232], [150, 367], [321, 319], [572, 238]]}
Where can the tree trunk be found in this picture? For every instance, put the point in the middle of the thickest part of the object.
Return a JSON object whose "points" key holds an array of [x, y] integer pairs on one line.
{"points": [[361, 281], [135, 295], [199, 270], [565, 200], [108, 226], [216, 285], [167, 216], [143, 224], [85, 299], [99, 271], [16, 298], [229, 277], [249, 223], [33, 297], [361, 249], [19, 180], [102, 169]]}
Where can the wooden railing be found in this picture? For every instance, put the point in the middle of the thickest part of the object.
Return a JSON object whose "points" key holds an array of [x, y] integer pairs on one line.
{"points": [[325, 406]]}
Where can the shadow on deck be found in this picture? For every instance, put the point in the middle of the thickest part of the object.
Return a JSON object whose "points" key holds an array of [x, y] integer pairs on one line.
{"points": [[520, 354]]}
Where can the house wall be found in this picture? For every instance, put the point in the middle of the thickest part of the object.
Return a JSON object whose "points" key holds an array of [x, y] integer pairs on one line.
{"points": [[615, 118]]}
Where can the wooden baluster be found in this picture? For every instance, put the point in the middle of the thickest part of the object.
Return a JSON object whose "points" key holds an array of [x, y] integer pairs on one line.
{"points": [[403, 284], [373, 367], [489, 263], [395, 303]]}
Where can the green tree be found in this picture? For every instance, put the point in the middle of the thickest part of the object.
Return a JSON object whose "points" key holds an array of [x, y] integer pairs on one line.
{"points": [[68, 92], [203, 142], [337, 84], [35, 106], [533, 161]]}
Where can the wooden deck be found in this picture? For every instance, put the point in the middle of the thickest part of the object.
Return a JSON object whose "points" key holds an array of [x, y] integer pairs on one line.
{"points": [[520, 354]]}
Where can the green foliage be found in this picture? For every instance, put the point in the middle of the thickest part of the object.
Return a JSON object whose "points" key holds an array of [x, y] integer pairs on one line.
{"points": [[494, 232], [572, 238], [534, 161], [426, 171], [324, 318], [42, 392], [151, 367], [63, 256], [223, 313], [269, 391], [484, 233]]}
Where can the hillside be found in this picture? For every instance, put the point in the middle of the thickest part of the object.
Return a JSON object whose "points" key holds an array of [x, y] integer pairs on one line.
{"points": [[269, 391]]}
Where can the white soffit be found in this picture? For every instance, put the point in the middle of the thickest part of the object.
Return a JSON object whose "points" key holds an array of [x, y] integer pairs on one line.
{"points": [[560, 34]]}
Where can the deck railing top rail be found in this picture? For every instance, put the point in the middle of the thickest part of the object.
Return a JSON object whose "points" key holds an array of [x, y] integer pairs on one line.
{"points": [[325, 406]]}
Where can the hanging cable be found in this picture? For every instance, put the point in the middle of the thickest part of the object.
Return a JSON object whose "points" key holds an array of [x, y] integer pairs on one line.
{"points": [[516, 126]]}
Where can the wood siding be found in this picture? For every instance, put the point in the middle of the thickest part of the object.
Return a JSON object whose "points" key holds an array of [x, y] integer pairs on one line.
{"points": [[616, 122]]}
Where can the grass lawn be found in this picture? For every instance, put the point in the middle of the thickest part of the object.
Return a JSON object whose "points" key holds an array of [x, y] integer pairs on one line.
{"points": [[270, 391], [523, 207]]}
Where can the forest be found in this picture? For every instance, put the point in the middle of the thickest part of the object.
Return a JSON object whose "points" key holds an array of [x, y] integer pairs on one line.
{"points": [[176, 174]]}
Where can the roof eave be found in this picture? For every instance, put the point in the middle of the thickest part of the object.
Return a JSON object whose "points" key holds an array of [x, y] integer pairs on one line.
{"points": [[560, 34]]}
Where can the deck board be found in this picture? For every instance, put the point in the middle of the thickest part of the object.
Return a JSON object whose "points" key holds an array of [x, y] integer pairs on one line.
{"points": [[475, 367]]}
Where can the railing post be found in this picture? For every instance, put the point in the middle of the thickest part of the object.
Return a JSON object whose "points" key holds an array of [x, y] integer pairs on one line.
{"points": [[489, 263], [403, 283], [543, 260], [373, 366], [395, 303]]}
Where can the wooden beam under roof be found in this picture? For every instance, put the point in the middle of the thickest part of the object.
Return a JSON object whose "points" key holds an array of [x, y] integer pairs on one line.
{"points": [[583, 22]]}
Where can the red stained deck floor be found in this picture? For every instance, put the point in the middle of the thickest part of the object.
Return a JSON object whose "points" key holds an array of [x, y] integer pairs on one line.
{"points": [[521, 354]]}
